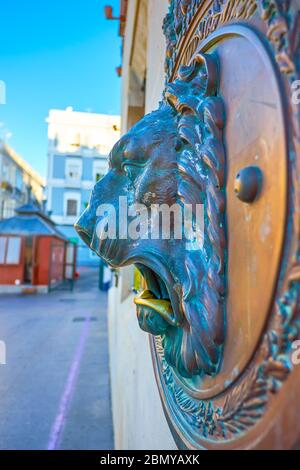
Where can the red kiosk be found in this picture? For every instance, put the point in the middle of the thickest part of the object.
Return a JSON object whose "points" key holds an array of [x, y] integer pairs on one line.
{"points": [[34, 255]]}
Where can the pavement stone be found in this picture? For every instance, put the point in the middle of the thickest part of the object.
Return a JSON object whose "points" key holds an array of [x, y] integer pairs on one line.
{"points": [[56, 365]]}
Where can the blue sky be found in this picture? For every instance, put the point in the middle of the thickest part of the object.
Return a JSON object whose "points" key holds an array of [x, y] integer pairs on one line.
{"points": [[54, 54]]}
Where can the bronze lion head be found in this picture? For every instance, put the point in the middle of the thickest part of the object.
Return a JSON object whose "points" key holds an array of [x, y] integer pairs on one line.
{"points": [[174, 155]]}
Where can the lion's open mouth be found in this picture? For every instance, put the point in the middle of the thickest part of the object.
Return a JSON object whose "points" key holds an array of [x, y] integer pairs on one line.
{"points": [[156, 296]]}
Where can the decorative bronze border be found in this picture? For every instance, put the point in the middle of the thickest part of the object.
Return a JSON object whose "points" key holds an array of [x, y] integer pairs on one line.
{"points": [[187, 21]]}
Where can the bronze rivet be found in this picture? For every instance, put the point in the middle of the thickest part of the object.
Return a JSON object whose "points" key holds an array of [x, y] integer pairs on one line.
{"points": [[248, 183]]}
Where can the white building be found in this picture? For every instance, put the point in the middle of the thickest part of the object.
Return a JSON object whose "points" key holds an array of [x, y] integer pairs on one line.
{"points": [[19, 183], [78, 147]]}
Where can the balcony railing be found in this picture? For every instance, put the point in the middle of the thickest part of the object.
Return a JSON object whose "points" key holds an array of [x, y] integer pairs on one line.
{"points": [[72, 182]]}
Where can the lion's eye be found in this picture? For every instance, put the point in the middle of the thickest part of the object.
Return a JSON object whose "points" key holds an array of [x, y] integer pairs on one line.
{"points": [[131, 171]]}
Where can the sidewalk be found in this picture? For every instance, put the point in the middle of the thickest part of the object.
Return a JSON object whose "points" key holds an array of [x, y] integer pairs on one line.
{"points": [[54, 387]]}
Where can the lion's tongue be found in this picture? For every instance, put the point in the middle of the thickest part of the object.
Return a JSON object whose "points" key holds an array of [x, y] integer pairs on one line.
{"points": [[162, 307]]}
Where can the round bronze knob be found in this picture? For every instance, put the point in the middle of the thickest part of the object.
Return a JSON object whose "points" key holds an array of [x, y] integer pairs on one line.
{"points": [[248, 183]]}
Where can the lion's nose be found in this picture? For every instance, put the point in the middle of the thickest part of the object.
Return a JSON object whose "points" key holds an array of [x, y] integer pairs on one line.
{"points": [[85, 226]]}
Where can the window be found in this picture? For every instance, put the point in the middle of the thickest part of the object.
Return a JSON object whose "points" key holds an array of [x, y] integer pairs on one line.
{"points": [[13, 250], [3, 241], [73, 169], [5, 171], [72, 207], [10, 250], [99, 169], [8, 208], [19, 180]]}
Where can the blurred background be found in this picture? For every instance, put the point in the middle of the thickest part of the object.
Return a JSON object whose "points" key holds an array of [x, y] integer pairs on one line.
{"points": [[59, 118], [74, 366]]}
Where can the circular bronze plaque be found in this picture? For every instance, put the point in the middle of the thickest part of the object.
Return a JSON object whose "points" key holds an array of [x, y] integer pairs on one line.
{"points": [[244, 405]]}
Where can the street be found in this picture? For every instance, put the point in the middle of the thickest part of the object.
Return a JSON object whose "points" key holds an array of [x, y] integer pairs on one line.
{"points": [[54, 387]]}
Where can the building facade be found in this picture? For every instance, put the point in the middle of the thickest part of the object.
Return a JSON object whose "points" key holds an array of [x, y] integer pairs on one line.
{"points": [[19, 183], [78, 147]]}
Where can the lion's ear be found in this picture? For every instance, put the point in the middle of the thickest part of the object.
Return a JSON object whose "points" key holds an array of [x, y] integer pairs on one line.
{"points": [[209, 67], [193, 83]]}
